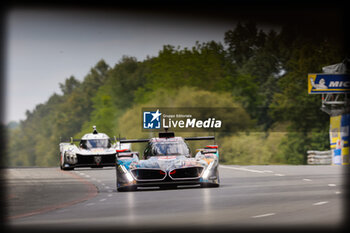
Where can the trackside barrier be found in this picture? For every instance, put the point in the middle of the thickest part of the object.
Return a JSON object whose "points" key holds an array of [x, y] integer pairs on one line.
{"points": [[315, 157]]}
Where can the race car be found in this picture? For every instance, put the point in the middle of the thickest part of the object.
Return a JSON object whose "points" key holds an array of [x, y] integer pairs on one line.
{"points": [[167, 163], [95, 150]]}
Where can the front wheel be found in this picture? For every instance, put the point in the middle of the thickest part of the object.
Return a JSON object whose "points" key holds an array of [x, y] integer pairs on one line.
{"points": [[210, 185], [67, 168], [63, 163], [126, 189]]}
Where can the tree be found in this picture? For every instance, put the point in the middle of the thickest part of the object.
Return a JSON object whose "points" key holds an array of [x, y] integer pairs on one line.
{"points": [[243, 41], [69, 85], [308, 124]]}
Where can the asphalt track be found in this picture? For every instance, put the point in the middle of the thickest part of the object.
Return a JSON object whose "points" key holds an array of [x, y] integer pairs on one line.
{"points": [[250, 197]]}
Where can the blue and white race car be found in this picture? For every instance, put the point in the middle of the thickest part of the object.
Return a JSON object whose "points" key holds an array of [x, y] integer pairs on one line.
{"points": [[167, 162]]}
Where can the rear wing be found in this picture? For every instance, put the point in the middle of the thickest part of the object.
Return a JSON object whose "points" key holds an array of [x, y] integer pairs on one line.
{"points": [[200, 138], [133, 140], [187, 139], [70, 140], [127, 154]]}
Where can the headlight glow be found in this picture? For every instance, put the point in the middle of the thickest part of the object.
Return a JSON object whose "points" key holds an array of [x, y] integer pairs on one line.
{"points": [[127, 174], [129, 177], [206, 172]]}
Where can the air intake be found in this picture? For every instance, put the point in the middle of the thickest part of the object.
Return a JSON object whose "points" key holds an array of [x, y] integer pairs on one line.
{"points": [[186, 173], [141, 174]]}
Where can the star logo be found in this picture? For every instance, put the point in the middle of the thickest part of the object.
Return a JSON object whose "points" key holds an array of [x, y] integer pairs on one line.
{"points": [[156, 115], [152, 120]]}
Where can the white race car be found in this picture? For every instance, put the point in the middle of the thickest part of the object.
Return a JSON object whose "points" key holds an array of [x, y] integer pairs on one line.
{"points": [[95, 150]]}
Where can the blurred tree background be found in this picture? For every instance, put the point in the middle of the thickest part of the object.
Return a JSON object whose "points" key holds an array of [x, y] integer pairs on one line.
{"points": [[261, 73]]}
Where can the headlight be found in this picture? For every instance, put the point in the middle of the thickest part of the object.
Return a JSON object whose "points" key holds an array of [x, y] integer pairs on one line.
{"points": [[127, 173], [207, 171]]}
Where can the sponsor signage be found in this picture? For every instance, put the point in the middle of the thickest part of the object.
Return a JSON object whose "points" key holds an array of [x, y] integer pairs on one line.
{"points": [[188, 119], [328, 83], [339, 138], [152, 119]]}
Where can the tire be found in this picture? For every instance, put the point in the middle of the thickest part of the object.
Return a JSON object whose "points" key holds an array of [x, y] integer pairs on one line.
{"points": [[210, 185], [61, 161], [67, 168], [122, 189], [64, 162], [126, 189]]}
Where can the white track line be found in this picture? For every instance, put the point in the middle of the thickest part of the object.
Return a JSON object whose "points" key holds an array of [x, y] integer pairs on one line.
{"points": [[243, 169], [263, 215], [251, 170], [320, 203], [307, 180], [268, 171]]}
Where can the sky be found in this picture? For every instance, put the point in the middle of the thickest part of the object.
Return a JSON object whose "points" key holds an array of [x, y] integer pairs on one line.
{"points": [[44, 47]]}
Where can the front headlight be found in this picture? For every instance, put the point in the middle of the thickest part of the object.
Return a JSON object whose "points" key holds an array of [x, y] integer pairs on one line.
{"points": [[126, 173], [207, 171]]}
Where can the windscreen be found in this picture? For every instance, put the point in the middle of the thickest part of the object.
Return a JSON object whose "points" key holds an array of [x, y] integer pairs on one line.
{"points": [[170, 148], [95, 143]]}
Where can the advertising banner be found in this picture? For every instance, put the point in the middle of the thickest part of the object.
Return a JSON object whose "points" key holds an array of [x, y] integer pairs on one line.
{"points": [[344, 135], [339, 139], [335, 139], [328, 83]]}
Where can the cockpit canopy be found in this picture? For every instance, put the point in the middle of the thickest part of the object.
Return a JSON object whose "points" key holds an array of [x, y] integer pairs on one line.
{"points": [[167, 147], [95, 143]]}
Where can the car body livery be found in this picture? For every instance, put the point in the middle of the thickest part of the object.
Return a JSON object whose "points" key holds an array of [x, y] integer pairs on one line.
{"points": [[95, 150], [167, 162]]}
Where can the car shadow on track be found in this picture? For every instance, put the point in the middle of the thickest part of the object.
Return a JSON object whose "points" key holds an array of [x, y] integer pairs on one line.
{"points": [[94, 168], [166, 188]]}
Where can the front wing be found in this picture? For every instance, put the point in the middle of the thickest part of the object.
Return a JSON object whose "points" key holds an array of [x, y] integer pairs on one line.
{"points": [[128, 180]]}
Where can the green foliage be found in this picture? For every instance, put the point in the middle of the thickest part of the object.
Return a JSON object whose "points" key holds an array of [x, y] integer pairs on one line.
{"points": [[243, 42], [253, 148], [309, 125], [263, 75], [36, 140], [103, 115], [69, 85], [204, 66]]}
